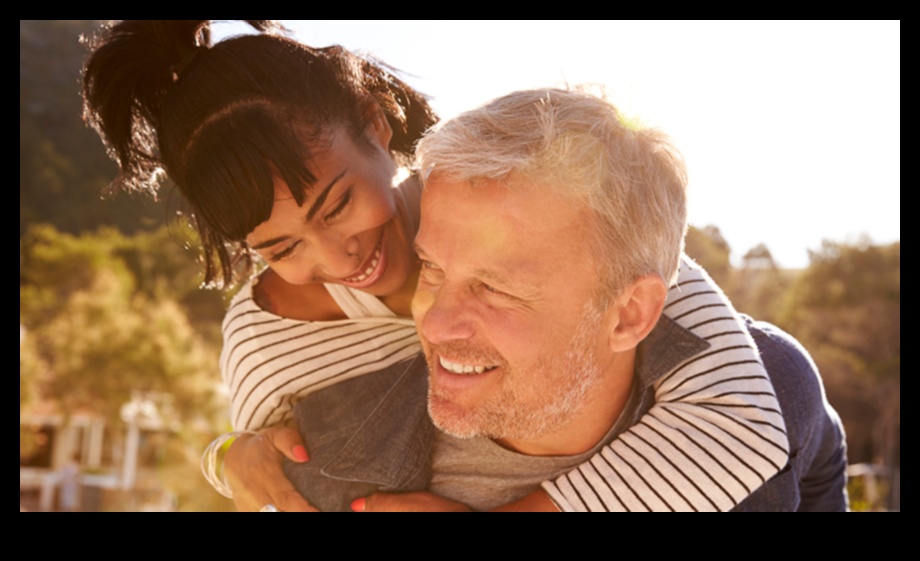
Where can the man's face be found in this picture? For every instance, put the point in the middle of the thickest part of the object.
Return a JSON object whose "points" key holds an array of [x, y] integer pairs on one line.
{"points": [[504, 309]]}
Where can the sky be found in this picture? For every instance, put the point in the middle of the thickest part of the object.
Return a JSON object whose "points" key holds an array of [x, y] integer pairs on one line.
{"points": [[791, 130]]}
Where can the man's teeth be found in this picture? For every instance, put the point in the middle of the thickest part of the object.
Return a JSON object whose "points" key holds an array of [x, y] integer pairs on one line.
{"points": [[370, 269], [455, 368]]}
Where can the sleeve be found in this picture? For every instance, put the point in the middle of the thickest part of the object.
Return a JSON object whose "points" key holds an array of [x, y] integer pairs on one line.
{"points": [[816, 434], [269, 363], [714, 435]]}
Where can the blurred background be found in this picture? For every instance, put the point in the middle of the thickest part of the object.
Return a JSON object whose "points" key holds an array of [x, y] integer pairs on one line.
{"points": [[792, 136]]}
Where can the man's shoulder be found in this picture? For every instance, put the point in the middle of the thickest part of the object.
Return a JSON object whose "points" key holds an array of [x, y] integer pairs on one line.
{"points": [[793, 372], [815, 478]]}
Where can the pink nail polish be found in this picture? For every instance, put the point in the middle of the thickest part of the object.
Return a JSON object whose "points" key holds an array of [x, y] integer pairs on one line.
{"points": [[300, 454], [359, 505]]}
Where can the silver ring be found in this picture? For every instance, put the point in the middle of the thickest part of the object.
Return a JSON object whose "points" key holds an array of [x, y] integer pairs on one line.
{"points": [[269, 508]]}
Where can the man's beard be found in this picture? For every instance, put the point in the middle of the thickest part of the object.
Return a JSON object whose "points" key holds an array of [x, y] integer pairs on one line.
{"points": [[513, 411]]}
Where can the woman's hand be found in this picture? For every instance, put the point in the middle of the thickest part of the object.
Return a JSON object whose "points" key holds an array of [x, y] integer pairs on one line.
{"points": [[252, 467]]}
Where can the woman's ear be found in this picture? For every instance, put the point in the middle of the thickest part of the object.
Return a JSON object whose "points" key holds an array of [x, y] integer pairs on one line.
{"points": [[635, 312], [378, 128]]}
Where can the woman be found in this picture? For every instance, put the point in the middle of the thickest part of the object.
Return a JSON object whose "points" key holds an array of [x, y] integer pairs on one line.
{"points": [[293, 154]]}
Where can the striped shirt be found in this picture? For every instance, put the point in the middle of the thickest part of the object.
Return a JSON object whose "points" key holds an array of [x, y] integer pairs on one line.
{"points": [[269, 362], [714, 435]]}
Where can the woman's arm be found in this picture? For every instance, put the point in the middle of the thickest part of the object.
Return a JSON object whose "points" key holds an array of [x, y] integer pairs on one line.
{"points": [[267, 364], [715, 434], [252, 470]]}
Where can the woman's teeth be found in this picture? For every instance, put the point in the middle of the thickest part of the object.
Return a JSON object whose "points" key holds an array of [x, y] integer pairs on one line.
{"points": [[455, 368], [370, 269]]}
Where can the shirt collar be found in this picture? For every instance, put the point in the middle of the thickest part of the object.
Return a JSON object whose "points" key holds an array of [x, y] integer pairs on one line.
{"points": [[667, 346]]}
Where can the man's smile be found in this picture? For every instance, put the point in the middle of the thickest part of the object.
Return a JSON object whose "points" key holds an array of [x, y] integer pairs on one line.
{"points": [[458, 368]]}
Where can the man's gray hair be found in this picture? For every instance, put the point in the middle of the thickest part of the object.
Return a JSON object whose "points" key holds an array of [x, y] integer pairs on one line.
{"points": [[577, 143]]}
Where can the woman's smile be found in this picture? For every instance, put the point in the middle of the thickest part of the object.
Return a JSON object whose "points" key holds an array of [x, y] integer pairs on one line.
{"points": [[370, 271]]}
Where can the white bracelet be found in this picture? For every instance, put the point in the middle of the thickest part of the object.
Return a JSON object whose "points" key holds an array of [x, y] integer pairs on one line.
{"points": [[212, 465]]}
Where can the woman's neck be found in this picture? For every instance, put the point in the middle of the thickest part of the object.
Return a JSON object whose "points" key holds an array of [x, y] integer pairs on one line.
{"points": [[401, 301]]}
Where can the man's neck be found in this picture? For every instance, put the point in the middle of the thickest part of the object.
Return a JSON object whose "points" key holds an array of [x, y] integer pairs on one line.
{"points": [[602, 407]]}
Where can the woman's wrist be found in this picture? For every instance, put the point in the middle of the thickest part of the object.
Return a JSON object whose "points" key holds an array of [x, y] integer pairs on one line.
{"points": [[212, 461]]}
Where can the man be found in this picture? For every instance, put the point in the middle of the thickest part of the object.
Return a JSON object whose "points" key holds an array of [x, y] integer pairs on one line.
{"points": [[546, 267]]}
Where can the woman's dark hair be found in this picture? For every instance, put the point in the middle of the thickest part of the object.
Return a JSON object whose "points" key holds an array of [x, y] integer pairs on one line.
{"points": [[221, 120]]}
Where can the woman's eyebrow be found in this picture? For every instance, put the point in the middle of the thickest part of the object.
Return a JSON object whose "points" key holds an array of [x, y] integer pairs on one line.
{"points": [[268, 243], [318, 203]]}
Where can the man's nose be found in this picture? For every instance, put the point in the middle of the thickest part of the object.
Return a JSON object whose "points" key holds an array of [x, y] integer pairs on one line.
{"points": [[443, 314]]}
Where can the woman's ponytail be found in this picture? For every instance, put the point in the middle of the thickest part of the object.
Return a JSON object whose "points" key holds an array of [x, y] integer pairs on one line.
{"points": [[222, 121], [133, 65]]}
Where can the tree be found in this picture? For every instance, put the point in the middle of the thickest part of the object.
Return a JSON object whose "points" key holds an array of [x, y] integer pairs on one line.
{"points": [[30, 370], [107, 344], [846, 309], [759, 287], [109, 318], [63, 166], [758, 257], [708, 247]]}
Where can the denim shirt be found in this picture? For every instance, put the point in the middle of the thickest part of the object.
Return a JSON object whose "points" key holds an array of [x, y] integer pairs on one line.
{"points": [[373, 434]]}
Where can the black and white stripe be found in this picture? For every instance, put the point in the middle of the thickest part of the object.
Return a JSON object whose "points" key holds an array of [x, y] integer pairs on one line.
{"points": [[714, 435], [269, 362]]}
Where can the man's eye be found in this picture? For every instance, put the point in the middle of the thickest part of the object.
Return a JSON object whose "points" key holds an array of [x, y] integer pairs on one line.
{"points": [[492, 290], [429, 265]]}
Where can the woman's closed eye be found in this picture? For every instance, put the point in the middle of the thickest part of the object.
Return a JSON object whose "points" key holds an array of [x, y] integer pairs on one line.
{"points": [[340, 206], [284, 253]]}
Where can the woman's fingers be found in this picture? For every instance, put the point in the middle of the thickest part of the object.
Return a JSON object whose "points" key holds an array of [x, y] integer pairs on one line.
{"points": [[253, 470], [291, 501], [288, 442]]}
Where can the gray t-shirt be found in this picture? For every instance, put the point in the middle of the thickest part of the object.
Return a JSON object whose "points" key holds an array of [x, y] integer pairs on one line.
{"points": [[483, 475]]}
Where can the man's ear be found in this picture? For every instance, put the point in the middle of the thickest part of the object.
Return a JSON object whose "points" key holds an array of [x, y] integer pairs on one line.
{"points": [[378, 128], [635, 312]]}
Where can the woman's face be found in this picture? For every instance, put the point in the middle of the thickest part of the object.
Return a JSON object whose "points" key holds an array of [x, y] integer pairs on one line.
{"points": [[351, 229]]}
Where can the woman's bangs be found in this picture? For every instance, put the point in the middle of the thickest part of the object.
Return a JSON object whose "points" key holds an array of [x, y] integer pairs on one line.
{"points": [[232, 170]]}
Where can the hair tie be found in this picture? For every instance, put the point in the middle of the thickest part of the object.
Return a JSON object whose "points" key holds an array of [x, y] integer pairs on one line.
{"points": [[189, 58]]}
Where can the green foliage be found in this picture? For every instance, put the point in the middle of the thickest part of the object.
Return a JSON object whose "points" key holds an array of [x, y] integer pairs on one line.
{"points": [[106, 344], [105, 310], [708, 248], [55, 266], [63, 166], [110, 318], [759, 287], [155, 265], [866, 494], [846, 309], [31, 368], [849, 300]]}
